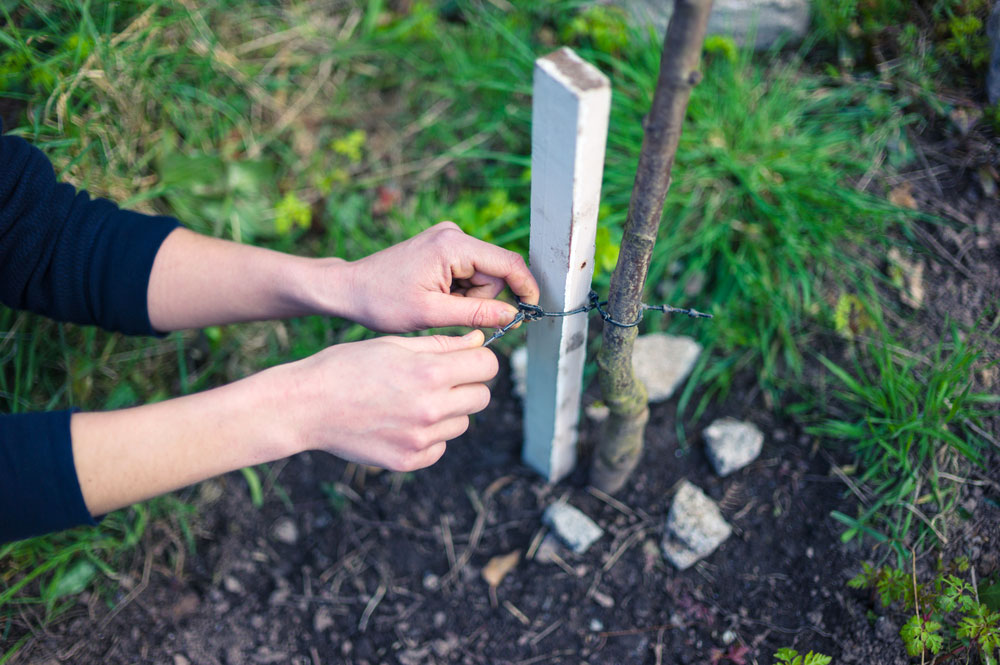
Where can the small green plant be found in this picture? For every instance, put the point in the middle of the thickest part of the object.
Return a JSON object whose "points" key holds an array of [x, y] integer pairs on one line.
{"points": [[950, 617], [913, 421], [788, 656]]}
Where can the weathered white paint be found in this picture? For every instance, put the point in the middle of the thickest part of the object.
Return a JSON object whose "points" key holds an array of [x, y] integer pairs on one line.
{"points": [[570, 108]]}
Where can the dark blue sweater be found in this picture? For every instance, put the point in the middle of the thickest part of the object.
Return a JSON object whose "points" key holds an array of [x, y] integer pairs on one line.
{"points": [[71, 258]]}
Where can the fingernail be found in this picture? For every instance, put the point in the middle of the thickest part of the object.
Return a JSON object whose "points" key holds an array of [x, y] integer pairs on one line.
{"points": [[511, 314]]}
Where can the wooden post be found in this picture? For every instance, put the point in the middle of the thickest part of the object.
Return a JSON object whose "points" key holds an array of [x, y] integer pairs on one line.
{"points": [[570, 109]]}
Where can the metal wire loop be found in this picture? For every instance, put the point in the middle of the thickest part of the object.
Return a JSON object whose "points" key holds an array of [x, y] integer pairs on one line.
{"points": [[528, 312]]}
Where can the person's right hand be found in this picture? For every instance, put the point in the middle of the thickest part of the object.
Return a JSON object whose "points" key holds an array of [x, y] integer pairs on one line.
{"points": [[392, 402]]}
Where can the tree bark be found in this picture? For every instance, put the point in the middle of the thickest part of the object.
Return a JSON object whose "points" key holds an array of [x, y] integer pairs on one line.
{"points": [[621, 444]]}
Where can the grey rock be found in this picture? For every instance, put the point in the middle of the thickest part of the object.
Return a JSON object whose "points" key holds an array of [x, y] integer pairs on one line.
{"points": [[766, 20], [573, 527], [548, 550], [285, 531], [322, 620], [662, 362], [732, 444], [695, 527], [232, 584], [993, 75]]}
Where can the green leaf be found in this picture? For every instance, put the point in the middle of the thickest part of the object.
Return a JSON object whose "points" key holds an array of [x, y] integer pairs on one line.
{"points": [[74, 580], [989, 595], [253, 484]]}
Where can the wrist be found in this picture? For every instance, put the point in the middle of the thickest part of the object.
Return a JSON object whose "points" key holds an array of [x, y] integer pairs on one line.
{"points": [[325, 286]]}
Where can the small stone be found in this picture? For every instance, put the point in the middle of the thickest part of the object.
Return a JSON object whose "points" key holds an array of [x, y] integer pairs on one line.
{"points": [[598, 411], [548, 549], [440, 619], [232, 585], [602, 599], [596, 625], [768, 21], [285, 531], [519, 370], [180, 659], [431, 582], [728, 638], [268, 656], [662, 362], [695, 527], [322, 620], [732, 444], [572, 526]]}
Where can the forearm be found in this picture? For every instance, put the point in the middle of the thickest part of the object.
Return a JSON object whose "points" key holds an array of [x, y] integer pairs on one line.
{"points": [[198, 281], [126, 456]]}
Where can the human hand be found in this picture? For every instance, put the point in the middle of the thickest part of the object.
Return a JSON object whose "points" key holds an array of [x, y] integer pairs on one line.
{"points": [[392, 402], [440, 277]]}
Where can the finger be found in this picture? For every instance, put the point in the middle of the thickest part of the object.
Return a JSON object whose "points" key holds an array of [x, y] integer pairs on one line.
{"points": [[504, 264], [450, 310], [481, 285], [467, 399], [477, 365], [439, 343], [423, 458], [449, 429]]}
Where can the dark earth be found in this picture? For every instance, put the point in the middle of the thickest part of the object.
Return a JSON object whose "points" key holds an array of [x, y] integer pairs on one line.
{"points": [[386, 568]]}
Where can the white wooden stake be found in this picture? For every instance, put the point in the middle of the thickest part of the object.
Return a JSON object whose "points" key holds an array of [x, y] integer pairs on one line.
{"points": [[570, 109]]}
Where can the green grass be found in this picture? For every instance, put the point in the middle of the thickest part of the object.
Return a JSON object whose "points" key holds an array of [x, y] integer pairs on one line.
{"points": [[914, 422], [338, 130]]}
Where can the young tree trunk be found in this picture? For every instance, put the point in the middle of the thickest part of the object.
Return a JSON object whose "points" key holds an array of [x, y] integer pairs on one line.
{"points": [[621, 444]]}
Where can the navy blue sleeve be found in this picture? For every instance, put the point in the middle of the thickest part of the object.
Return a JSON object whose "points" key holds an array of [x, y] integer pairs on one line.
{"points": [[39, 490], [70, 257]]}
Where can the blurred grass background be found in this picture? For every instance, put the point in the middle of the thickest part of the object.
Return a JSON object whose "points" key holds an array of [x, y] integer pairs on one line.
{"points": [[339, 128]]}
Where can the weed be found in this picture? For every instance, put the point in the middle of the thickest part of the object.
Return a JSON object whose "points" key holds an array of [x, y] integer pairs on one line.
{"points": [[912, 420], [950, 617], [789, 656]]}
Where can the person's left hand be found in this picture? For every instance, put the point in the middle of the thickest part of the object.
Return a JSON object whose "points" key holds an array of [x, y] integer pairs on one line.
{"points": [[440, 277]]}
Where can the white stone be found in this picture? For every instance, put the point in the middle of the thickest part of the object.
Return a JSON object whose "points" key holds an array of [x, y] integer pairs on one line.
{"points": [[695, 527], [662, 362], [767, 20], [285, 531], [519, 370], [572, 526], [732, 444]]}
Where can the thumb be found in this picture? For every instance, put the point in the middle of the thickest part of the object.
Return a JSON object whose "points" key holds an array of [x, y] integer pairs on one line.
{"points": [[454, 310], [442, 343]]}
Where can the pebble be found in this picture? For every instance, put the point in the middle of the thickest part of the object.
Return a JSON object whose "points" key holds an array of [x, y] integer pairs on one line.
{"points": [[728, 638], [662, 362], [596, 625], [602, 599], [732, 444], [768, 21], [180, 659], [431, 582], [232, 585], [572, 526], [285, 531], [695, 527], [322, 620], [548, 549]]}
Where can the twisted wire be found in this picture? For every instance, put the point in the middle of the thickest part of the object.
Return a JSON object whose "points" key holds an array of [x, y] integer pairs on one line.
{"points": [[526, 312]]}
